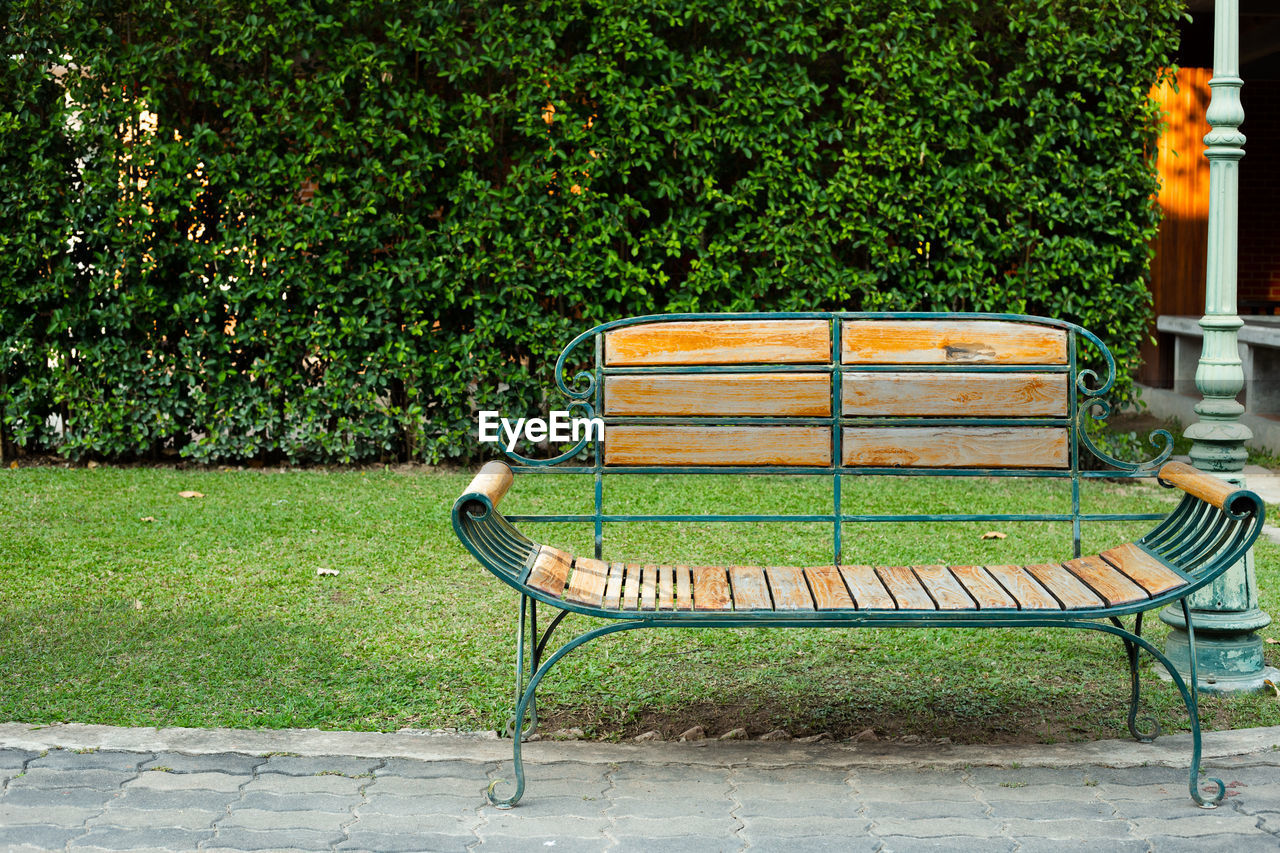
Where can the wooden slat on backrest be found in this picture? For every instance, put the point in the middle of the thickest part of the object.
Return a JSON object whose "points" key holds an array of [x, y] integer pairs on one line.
{"points": [[957, 447], [951, 342], [719, 342], [717, 445], [951, 394], [718, 394]]}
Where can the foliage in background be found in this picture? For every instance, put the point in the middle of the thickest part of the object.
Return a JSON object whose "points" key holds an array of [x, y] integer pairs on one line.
{"points": [[310, 230]]}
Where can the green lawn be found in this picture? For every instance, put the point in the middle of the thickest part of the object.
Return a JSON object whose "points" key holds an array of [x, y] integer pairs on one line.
{"points": [[123, 603]]}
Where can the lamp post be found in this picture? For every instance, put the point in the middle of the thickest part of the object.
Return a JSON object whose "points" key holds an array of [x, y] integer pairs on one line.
{"points": [[1225, 614]]}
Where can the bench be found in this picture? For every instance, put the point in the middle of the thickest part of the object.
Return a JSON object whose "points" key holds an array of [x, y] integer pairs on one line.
{"points": [[843, 395]]}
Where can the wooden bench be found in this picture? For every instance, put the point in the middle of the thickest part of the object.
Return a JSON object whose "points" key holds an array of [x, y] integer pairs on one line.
{"points": [[843, 395]]}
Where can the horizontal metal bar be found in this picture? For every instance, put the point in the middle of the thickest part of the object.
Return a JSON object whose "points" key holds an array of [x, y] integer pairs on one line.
{"points": [[844, 420], [828, 518], [812, 471]]}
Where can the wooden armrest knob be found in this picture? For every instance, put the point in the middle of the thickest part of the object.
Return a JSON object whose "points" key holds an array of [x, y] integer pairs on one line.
{"points": [[1206, 487], [492, 481]]}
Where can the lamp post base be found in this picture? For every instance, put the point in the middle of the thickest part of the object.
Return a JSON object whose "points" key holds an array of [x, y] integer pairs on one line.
{"points": [[1229, 656]]}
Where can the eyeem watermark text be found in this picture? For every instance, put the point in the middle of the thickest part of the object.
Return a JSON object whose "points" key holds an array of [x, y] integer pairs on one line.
{"points": [[558, 427]]}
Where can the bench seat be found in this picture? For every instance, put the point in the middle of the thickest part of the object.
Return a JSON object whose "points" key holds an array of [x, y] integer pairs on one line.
{"points": [[1117, 577]]}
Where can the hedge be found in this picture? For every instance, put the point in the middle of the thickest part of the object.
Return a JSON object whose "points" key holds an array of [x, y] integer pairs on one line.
{"points": [[331, 231]]}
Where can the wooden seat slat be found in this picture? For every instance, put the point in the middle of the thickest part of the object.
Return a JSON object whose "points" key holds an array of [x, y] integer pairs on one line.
{"points": [[790, 592], [1143, 569], [944, 589], [631, 588], [984, 589], [718, 394], [711, 589], [905, 588], [720, 342], [550, 571], [632, 444], [586, 584], [1026, 591], [649, 588], [956, 447], [1112, 586], [956, 394], [666, 588], [613, 587], [684, 588], [950, 342], [1066, 587], [750, 590], [829, 591], [867, 588]]}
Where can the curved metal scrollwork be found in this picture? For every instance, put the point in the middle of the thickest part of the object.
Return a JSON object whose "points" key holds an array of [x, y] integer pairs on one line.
{"points": [[1100, 410], [577, 448]]}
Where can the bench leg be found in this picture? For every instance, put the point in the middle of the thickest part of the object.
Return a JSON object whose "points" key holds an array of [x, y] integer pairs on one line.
{"points": [[1135, 683], [527, 697], [1188, 699], [529, 616]]}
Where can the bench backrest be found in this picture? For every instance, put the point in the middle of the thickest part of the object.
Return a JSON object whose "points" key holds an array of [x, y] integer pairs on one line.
{"points": [[763, 392], [837, 394]]}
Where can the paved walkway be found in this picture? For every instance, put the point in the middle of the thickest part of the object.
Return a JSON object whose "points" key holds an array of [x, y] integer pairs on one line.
{"points": [[96, 787]]}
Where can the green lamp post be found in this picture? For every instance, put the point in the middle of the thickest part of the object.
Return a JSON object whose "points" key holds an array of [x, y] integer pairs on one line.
{"points": [[1225, 615]]}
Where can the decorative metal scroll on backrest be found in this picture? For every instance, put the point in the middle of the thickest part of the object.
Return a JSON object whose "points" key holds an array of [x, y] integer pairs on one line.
{"points": [[814, 391]]}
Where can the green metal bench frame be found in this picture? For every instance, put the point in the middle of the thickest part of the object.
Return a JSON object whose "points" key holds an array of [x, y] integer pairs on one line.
{"points": [[1209, 531]]}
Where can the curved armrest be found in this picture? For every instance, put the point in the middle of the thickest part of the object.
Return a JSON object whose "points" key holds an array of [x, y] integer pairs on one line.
{"points": [[1231, 498]]}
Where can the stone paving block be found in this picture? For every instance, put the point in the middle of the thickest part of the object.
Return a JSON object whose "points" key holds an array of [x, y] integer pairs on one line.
{"points": [[819, 807], [1058, 845], [410, 768], [667, 774], [41, 836], [45, 777], [684, 844], [42, 815], [525, 844], [758, 828], [924, 810], [339, 803], [539, 806], [540, 770], [268, 820], [16, 759], [814, 844], [158, 780], [1152, 775], [175, 818], [66, 759], [116, 838], [235, 763], [398, 843], [984, 777], [1166, 807], [425, 823], [958, 844], [793, 794], [1103, 830], [937, 827], [513, 822], [954, 791], [278, 783], [1040, 794], [397, 806], [662, 828], [152, 798], [798, 776], [85, 798], [327, 765], [1258, 843], [695, 808], [441, 786], [668, 791], [239, 838], [1216, 822], [1051, 809]]}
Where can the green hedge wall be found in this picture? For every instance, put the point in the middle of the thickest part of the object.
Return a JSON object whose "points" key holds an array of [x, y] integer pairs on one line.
{"points": [[331, 231]]}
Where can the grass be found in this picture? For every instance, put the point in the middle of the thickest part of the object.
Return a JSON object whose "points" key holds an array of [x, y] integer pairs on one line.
{"points": [[213, 613]]}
